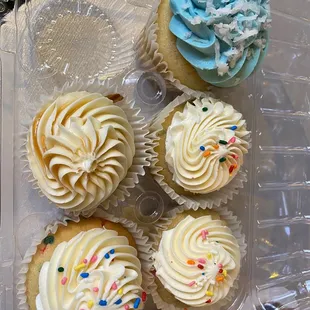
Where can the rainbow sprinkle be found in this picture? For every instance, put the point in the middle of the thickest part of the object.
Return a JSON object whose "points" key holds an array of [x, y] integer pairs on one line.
{"points": [[114, 286], [103, 302], [85, 261], [200, 266], [143, 296], [48, 240], [219, 278], [222, 159], [96, 289], [191, 283], [118, 302], [190, 262], [136, 303], [107, 256], [64, 280], [90, 304], [220, 265], [225, 272], [209, 293], [79, 267], [208, 301], [126, 307], [216, 147], [206, 154], [233, 127], [112, 251], [202, 148], [222, 142], [84, 275], [204, 109], [209, 256], [204, 234], [232, 140], [120, 291], [61, 269], [202, 260]]}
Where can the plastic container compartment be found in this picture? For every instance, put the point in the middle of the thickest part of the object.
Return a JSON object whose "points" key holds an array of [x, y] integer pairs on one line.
{"points": [[42, 46]]}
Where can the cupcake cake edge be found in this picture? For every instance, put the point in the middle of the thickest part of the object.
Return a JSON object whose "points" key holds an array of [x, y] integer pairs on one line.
{"points": [[211, 200], [143, 245], [235, 226], [142, 142]]}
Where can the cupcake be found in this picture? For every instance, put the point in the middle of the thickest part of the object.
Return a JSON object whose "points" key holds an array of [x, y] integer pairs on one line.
{"points": [[195, 44], [84, 148], [200, 149], [90, 264], [197, 262]]}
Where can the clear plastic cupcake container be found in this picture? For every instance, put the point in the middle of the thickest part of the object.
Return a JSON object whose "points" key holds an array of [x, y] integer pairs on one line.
{"points": [[45, 44]]}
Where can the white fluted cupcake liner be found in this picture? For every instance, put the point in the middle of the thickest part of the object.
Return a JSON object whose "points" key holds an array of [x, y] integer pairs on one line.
{"points": [[235, 225], [150, 58], [144, 248], [142, 142], [210, 200]]}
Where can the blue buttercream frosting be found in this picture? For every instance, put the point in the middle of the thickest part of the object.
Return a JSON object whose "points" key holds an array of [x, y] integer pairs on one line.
{"points": [[224, 40]]}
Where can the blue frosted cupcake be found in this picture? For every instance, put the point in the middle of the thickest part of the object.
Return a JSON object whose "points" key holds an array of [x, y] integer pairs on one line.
{"points": [[203, 42]]}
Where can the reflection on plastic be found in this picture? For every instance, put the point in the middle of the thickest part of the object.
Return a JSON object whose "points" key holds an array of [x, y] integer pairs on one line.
{"points": [[150, 88], [149, 207], [143, 4], [29, 228]]}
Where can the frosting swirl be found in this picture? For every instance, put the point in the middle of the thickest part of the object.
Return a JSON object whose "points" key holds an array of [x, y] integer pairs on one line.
{"points": [[198, 261], [96, 268], [223, 40], [205, 145], [80, 147]]}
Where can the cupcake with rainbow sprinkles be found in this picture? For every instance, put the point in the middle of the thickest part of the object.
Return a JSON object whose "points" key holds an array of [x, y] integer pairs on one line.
{"points": [[198, 261], [90, 264], [200, 148]]}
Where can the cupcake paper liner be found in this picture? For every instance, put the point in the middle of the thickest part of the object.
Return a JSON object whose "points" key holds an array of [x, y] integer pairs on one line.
{"points": [[144, 248], [235, 225], [210, 200], [150, 58], [142, 142]]}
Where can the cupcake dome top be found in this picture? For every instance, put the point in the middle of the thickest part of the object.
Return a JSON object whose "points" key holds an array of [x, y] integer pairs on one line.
{"points": [[198, 261], [95, 269], [223, 40], [205, 145], [80, 147]]}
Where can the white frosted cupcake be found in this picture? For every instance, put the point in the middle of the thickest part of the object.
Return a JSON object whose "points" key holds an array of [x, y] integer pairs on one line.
{"points": [[88, 264], [85, 148], [197, 262], [200, 149]]}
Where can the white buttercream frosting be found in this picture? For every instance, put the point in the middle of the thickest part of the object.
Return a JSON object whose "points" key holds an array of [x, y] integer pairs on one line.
{"points": [[198, 261], [80, 147], [205, 144], [100, 271]]}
